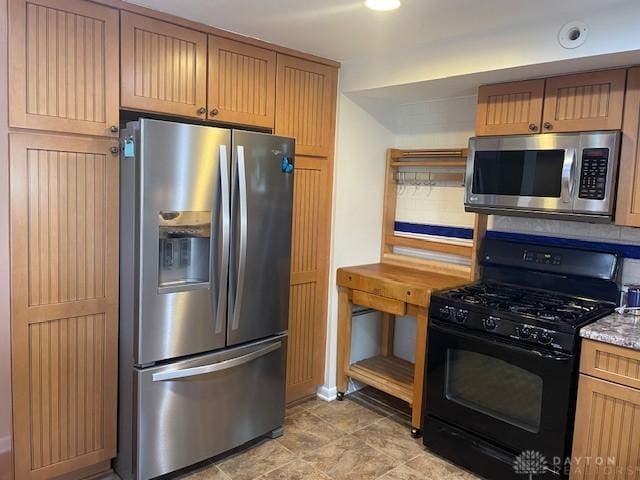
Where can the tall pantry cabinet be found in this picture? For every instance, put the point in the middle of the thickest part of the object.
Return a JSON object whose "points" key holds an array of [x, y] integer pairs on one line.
{"points": [[72, 66], [63, 77], [306, 110]]}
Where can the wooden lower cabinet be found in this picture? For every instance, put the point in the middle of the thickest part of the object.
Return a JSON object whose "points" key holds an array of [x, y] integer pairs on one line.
{"points": [[306, 110], [64, 303], [606, 441]]}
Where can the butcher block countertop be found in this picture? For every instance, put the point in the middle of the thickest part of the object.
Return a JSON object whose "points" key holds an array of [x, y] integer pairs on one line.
{"points": [[412, 286]]}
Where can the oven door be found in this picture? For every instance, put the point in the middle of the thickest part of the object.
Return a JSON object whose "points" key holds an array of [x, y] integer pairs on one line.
{"points": [[514, 396]]}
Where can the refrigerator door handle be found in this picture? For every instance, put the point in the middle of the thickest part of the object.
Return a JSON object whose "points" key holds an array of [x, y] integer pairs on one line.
{"points": [[214, 367], [242, 254], [224, 251]]}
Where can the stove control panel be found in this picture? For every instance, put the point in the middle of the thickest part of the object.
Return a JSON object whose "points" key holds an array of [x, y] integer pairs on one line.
{"points": [[535, 334], [547, 258], [458, 315], [501, 326]]}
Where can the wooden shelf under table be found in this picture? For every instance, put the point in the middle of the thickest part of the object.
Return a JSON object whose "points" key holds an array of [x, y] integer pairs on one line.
{"points": [[390, 374]]}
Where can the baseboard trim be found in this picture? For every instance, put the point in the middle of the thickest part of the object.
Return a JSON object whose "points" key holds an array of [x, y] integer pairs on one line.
{"points": [[327, 394]]}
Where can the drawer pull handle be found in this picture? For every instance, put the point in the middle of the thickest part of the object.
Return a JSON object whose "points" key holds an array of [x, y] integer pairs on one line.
{"points": [[214, 367]]}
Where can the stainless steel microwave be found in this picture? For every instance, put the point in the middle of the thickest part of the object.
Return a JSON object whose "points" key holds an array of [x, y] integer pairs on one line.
{"points": [[556, 175]]}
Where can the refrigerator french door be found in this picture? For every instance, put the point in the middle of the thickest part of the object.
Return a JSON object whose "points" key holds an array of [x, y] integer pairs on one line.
{"points": [[205, 261]]}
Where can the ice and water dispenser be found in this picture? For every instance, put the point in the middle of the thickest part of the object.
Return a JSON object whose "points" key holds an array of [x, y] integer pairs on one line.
{"points": [[184, 249]]}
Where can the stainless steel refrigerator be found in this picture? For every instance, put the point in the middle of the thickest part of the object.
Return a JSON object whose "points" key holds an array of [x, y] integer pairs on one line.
{"points": [[205, 248]]}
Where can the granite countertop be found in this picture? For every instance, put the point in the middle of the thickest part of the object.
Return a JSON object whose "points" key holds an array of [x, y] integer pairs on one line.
{"points": [[621, 330]]}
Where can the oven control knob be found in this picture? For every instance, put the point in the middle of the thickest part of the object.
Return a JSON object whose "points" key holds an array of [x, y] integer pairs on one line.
{"points": [[545, 338], [461, 315], [445, 312], [525, 332], [489, 323]]}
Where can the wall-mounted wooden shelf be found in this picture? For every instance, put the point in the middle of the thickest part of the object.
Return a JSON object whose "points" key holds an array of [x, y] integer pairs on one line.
{"points": [[450, 159]]}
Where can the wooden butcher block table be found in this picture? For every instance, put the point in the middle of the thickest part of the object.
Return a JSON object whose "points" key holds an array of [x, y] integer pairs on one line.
{"points": [[395, 291]]}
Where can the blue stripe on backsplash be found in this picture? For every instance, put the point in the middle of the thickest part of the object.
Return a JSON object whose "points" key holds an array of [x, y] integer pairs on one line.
{"points": [[624, 250], [442, 231]]}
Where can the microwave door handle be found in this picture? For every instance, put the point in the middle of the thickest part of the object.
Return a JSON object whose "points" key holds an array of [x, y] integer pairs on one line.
{"points": [[568, 174], [224, 250], [242, 253]]}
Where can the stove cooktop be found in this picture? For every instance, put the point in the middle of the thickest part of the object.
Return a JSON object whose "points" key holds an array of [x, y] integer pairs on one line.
{"points": [[532, 316], [541, 305]]}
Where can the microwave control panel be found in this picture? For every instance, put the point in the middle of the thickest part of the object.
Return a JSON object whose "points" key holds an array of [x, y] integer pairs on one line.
{"points": [[593, 175]]}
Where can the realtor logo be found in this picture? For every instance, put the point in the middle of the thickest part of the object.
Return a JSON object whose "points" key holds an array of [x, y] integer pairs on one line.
{"points": [[530, 462]]}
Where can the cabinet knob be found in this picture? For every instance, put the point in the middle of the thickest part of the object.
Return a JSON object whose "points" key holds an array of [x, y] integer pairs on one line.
{"points": [[114, 150], [547, 125], [214, 112], [114, 129], [533, 127], [202, 111]]}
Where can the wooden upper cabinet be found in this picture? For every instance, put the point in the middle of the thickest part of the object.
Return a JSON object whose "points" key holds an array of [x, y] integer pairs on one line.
{"points": [[164, 67], [306, 104], [628, 200], [607, 426], [63, 66], [242, 83], [510, 108], [584, 102]]}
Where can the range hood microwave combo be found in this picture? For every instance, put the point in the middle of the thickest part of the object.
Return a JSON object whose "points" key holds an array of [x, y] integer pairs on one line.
{"points": [[564, 176]]}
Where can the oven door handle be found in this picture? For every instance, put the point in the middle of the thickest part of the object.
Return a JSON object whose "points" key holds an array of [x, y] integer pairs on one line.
{"points": [[568, 174], [558, 357]]}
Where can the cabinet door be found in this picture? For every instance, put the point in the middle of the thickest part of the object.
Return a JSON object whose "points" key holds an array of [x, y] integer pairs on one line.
{"points": [[63, 66], [584, 101], [509, 108], [64, 302], [606, 438], [242, 83], [163, 67], [305, 109], [628, 200]]}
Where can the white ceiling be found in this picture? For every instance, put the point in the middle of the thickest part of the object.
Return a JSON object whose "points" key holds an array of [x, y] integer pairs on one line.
{"points": [[345, 30]]}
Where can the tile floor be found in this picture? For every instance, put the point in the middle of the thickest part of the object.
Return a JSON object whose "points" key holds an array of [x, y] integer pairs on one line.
{"points": [[349, 440]]}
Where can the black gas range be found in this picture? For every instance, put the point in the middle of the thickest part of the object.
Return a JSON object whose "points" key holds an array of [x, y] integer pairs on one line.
{"points": [[503, 353], [530, 315]]}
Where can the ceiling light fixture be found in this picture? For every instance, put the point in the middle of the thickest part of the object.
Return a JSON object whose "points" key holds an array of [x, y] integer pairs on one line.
{"points": [[382, 5]]}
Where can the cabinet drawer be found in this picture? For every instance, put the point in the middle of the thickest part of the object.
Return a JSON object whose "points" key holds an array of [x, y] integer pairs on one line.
{"points": [[610, 362], [383, 304]]}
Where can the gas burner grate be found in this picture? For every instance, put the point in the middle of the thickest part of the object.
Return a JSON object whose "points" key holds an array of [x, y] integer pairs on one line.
{"points": [[542, 305]]}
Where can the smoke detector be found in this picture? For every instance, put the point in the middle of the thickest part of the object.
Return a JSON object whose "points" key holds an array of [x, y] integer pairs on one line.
{"points": [[573, 34]]}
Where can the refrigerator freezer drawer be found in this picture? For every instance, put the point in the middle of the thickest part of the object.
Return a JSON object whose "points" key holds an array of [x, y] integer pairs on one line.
{"points": [[200, 407]]}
